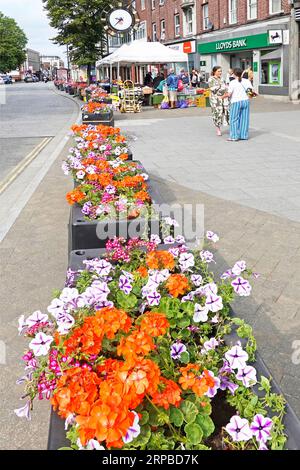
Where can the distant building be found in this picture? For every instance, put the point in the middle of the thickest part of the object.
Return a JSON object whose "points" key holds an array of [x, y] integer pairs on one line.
{"points": [[50, 63], [32, 63]]}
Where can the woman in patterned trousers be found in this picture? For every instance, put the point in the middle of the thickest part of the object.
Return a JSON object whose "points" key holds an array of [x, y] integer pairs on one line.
{"points": [[219, 106]]}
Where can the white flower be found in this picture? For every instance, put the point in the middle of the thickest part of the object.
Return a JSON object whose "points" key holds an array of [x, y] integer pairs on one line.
{"points": [[56, 306], [214, 303], [155, 239], [200, 313], [68, 294], [212, 236], [133, 431], [247, 375], [24, 411], [186, 261], [80, 174], [236, 357], [40, 345], [241, 287], [239, 267], [169, 240], [196, 279], [35, 318], [22, 324]]}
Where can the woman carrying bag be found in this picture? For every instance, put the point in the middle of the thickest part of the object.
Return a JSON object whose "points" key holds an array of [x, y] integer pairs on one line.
{"points": [[219, 107], [239, 91]]}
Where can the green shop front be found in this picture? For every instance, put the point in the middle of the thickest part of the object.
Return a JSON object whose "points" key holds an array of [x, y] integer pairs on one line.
{"points": [[266, 51]]}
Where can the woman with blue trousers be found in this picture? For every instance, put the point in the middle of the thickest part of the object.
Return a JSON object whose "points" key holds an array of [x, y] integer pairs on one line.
{"points": [[238, 92]]}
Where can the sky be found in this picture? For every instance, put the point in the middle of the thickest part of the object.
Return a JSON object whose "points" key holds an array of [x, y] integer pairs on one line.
{"points": [[31, 17]]}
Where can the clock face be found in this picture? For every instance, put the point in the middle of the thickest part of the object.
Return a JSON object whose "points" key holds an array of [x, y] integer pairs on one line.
{"points": [[120, 20]]}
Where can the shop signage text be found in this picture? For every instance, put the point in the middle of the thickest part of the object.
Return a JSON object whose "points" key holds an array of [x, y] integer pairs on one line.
{"points": [[257, 41]]}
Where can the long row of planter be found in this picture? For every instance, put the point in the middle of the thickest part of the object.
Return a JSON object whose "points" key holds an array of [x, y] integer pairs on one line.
{"points": [[141, 350]]}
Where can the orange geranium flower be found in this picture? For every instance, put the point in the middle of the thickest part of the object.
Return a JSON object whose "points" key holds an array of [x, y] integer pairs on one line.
{"points": [[105, 179], [188, 377], [169, 395], [113, 320], [154, 323], [177, 284], [142, 195], [75, 196], [160, 260], [139, 343], [143, 271], [123, 156]]}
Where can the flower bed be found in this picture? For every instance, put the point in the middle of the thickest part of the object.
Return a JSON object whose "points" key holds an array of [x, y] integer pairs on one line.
{"points": [[132, 354]]}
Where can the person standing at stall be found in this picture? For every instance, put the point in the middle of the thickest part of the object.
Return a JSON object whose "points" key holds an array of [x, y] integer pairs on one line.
{"points": [[172, 84], [238, 92], [218, 105]]}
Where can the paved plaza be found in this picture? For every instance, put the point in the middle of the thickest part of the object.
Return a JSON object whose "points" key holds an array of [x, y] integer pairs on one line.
{"points": [[251, 197]]}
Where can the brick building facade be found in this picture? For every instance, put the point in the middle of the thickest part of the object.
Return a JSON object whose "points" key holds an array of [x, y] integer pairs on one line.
{"points": [[228, 33]]}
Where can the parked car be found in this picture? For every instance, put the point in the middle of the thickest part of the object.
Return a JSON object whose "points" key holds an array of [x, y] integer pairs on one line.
{"points": [[31, 78], [1, 81], [7, 79]]}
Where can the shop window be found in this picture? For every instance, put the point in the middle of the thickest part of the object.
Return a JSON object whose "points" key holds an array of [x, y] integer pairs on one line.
{"points": [[205, 16], [154, 32], [177, 25], [189, 21], [252, 9], [232, 11], [143, 5], [275, 6], [140, 33], [271, 72], [162, 30]]}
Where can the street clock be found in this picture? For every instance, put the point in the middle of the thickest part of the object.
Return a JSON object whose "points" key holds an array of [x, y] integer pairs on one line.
{"points": [[120, 20]]}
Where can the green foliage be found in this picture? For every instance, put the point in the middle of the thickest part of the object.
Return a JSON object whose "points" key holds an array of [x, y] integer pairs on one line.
{"points": [[159, 441], [12, 44], [193, 433], [176, 417], [126, 302], [189, 411], [206, 424]]}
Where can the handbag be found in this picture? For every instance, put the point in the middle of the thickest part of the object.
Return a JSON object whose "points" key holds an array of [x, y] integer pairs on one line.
{"points": [[180, 86]]}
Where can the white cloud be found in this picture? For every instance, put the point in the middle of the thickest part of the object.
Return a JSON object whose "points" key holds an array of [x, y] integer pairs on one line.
{"points": [[31, 17]]}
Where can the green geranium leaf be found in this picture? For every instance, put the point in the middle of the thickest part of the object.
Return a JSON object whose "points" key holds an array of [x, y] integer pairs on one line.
{"points": [[185, 357], [158, 418], [143, 437], [206, 424], [127, 302], [265, 383], [193, 433], [189, 411], [145, 418], [183, 322], [176, 416]]}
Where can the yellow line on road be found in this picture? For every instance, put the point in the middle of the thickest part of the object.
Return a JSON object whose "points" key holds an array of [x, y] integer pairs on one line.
{"points": [[23, 164]]}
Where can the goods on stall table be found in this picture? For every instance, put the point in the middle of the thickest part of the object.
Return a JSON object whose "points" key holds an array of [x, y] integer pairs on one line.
{"points": [[130, 102]]}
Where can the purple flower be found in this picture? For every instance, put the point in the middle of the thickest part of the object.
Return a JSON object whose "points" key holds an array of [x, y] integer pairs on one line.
{"points": [[110, 189], [101, 267], [174, 251], [189, 297], [24, 411], [103, 303], [133, 431], [169, 240], [180, 239], [155, 239], [56, 306], [226, 384], [171, 222], [261, 428], [70, 277], [214, 303], [239, 267], [196, 279], [91, 169], [70, 420], [65, 321], [212, 236], [68, 294], [177, 349], [236, 357], [97, 292], [209, 345], [212, 391], [239, 429], [153, 298], [22, 325], [124, 284], [262, 446], [247, 375], [207, 256], [200, 313], [93, 444], [186, 261], [36, 318], [80, 174], [40, 345], [65, 168], [227, 274], [86, 208], [208, 289], [241, 287]]}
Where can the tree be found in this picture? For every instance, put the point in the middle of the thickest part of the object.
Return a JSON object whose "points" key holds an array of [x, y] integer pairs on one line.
{"points": [[79, 26], [12, 44]]}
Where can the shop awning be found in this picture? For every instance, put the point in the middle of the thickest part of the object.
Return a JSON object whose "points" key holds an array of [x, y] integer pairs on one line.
{"points": [[140, 52]]}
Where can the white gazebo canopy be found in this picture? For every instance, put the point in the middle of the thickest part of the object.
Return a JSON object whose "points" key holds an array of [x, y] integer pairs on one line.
{"points": [[140, 52]]}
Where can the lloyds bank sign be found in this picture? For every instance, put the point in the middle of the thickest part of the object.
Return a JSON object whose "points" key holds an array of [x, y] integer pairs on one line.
{"points": [[257, 41]]}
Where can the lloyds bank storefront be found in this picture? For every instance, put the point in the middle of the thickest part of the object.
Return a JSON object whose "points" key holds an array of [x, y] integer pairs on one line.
{"points": [[264, 46]]}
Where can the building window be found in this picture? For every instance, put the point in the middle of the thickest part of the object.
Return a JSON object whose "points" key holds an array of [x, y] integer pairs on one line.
{"points": [[189, 21], [152, 4], [205, 16], [162, 30], [252, 9], [161, 2], [177, 25], [143, 5], [140, 33], [275, 6], [154, 34], [232, 11]]}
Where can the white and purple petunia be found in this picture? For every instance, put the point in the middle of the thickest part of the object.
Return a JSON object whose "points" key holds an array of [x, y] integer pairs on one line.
{"points": [[212, 236], [209, 289], [68, 294], [180, 239], [212, 391], [186, 261], [70, 420], [206, 256], [101, 267], [227, 274], [241, 287], [169, 240], [197, 279], [22, 325], [153, 298], [247, 376], [236, 357], [65, 168], [200, 313], [171, 222], [214, 303], [155, 239], [188, 297], [91, 169], [133, 431], [24, 411], [65, 322], [80, 174], [177, 349], [125, 285], [239, 267], [238, 428], [40, 345], [36, 318], [209, 345], [261, 428], [56, 306]]}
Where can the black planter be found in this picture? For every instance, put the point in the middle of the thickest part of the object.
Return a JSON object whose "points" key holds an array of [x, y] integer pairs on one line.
{"points": [[85, 234], [101, 118]]}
